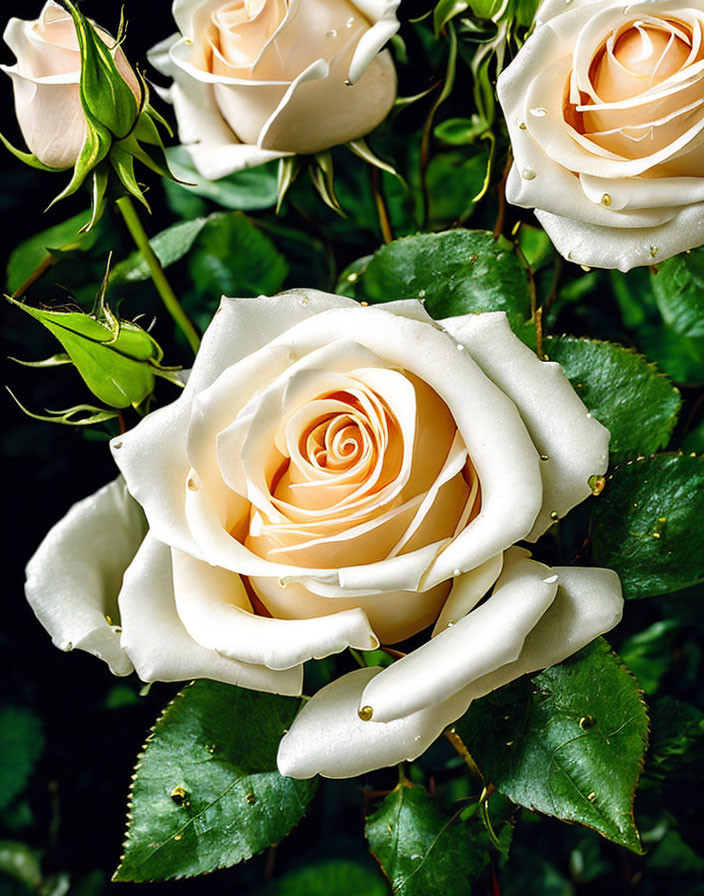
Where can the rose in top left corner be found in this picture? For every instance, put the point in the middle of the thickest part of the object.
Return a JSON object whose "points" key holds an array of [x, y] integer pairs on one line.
{"points": [[46, 79], [255, 80]]}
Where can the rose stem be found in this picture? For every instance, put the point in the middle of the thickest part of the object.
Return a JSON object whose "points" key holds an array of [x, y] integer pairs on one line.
{"points": [[381, 209], [163, 287]]}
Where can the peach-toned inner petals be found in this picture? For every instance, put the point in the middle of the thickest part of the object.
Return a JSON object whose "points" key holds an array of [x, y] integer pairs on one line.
{"points": [[272, 41], [240, 30], [644, 87], [339, 488]]}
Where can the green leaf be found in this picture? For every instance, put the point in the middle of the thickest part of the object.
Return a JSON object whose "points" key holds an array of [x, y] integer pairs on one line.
{"points": [[648, 654], [340, 877], [206, 793], [622, 390], [680, 357], [421, 849], [677, 738], [117, 363], [169, 246], [19, 861], [678, 284], [21, 744], [254, 188], [233, 257], [30, 255], [455, 272], [569, 744], [647, 524]]}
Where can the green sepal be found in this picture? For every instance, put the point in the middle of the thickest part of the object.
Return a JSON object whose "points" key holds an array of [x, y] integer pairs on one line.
{"points": [[122, 162], [69, 416], [323, 177], [289, 169], [27, 157], [106, 97], [96, 147]]}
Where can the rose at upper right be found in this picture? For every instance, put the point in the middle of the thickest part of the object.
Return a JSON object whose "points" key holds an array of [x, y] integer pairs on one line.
{"points": [[255, 80], [605, 109]]}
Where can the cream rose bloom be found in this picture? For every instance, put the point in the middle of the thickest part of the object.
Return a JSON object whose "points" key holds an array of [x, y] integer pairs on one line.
{"points": [[46, 80], [605, 108], [255, 80], [337, 476]]}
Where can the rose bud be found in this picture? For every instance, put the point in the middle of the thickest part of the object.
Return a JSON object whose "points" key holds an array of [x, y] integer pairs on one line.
{"points": [[258, 79], [605, 108], [336, 476], [46, 81]]}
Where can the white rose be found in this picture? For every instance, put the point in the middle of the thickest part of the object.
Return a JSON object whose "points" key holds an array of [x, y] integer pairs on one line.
{"points": [[605, 108], [46, 80], [336, 476], [258, 79]]}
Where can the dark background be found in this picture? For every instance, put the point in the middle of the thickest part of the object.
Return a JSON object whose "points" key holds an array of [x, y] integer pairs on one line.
{"points": [[73, 813]]}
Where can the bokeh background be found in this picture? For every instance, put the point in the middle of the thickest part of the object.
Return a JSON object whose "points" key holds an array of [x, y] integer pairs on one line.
{"points": [[70, 732]]}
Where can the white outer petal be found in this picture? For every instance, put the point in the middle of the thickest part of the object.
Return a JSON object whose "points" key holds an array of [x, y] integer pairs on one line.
{"points": [[467, 590], [482, 641], [327, 736], [612, 247], [214, 608], [576, 444], [383, 14], [589, 603], [161, 648], [74, 577]]}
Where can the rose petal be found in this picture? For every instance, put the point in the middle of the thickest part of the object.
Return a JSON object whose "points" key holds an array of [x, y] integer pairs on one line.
{"points": [[467, 590], [382, 13], [611, 247], [213, 606], [482, 641], [160, 647], [588, 604], [575, 443], [74, 577], [328, 737]]}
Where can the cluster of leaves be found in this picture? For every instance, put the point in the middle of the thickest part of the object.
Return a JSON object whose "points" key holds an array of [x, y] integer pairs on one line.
{"points": [[572, 742]]}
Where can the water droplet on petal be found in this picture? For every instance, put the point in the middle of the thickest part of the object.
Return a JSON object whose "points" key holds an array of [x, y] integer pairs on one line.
{"points": [[544, 457], [554, 516], [365, 713], [539, 112], [332, 33], [606, 200], [596, 484], [528, 174], [350, 22]]}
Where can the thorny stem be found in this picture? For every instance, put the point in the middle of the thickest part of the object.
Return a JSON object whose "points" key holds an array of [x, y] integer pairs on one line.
{"points": [[163, 287], [48, 262], [458, 745], [501, 217], [381, 209]]}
